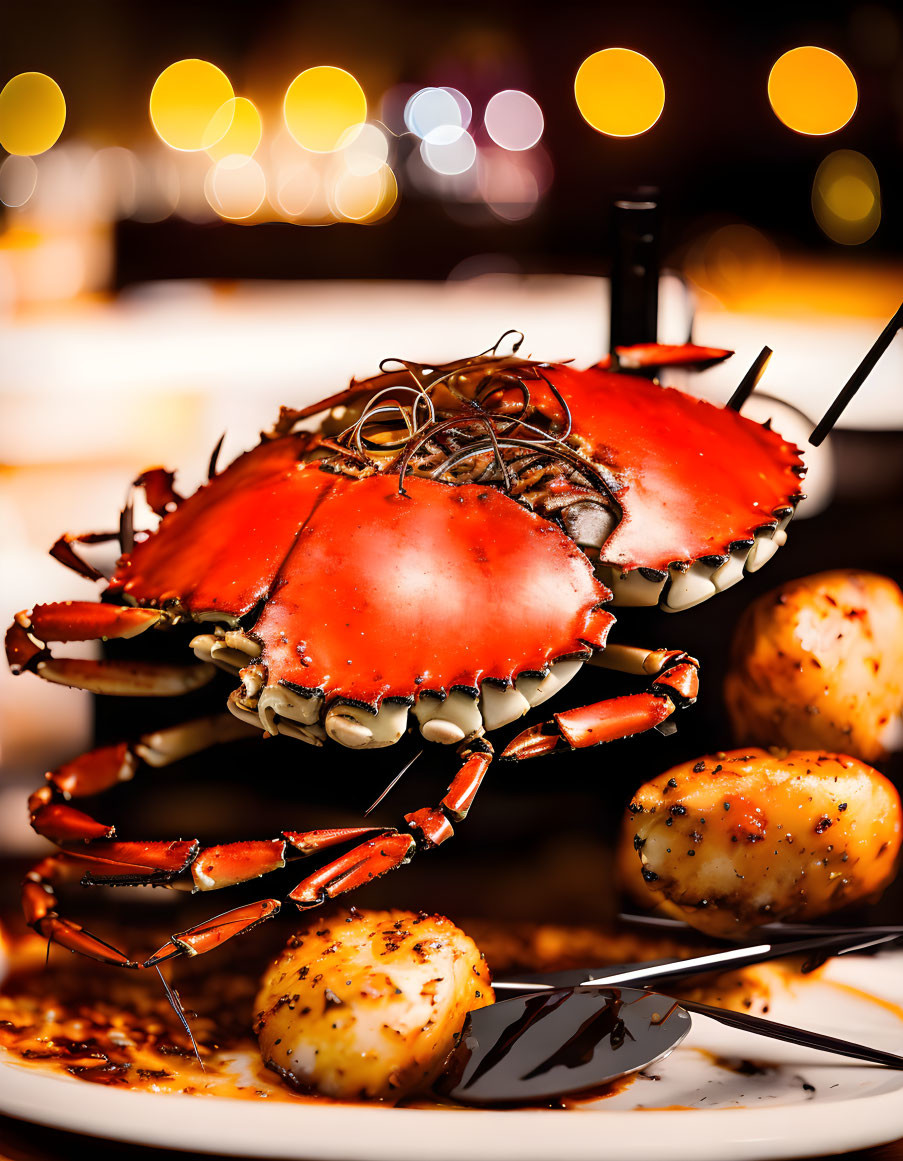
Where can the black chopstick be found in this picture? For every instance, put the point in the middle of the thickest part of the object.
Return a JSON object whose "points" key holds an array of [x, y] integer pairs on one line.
{"points": [[772, 930], [800, 1036], [652, 974]]}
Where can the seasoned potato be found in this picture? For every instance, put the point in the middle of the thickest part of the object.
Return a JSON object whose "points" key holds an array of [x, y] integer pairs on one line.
{"points": [[745, 838], [818, 664], [367, 1004]]}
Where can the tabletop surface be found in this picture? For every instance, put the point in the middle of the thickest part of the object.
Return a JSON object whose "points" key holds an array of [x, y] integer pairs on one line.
{"points": [[24, 1142]]}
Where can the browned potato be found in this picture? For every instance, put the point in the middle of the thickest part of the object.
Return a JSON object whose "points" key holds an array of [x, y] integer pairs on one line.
{"points": [[367, 1004], [735, 840], [818, 664]]}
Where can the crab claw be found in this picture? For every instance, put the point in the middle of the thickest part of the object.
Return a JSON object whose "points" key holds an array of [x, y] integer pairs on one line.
{"points": [[210, 934], [649, 356], [86, 621], [605, 721], [73, 937]]}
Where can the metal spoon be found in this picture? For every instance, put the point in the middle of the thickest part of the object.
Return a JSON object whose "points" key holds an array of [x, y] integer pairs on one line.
{"points": [[550, 1044], [816, 950], [569, 1034]]}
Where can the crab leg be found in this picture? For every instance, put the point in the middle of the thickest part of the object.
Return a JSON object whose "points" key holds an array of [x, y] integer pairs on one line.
{"points": [[99, 859], [675, 687], [92, 855], [63, 551], [26, 648], [39, 905], [646, 356], [210, 934], [158, 490], [390, 849]]}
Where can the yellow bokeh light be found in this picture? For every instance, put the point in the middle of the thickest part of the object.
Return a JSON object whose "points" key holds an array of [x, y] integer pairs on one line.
{"points": [[322, 108], [364, 197], [846, 197], [184, 103], [619, 92], [32, 114], [812, 91], [235, 128]]}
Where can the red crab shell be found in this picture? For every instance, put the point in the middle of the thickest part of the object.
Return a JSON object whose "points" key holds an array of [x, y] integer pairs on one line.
{"points": [[705, 493], [367, 593], [694, 477]]}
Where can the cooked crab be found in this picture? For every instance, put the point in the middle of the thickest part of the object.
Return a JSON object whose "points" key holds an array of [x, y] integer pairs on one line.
{"points": [[429, 568]]}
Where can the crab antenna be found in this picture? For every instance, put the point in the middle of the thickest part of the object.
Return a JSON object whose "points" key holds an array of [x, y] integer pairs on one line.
{"points": [[175, 1002], [750, 380], [401, 773], [856, 380]]}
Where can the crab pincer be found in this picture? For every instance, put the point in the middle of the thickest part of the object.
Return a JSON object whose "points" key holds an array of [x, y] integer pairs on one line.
{"points": [[675, 687]]}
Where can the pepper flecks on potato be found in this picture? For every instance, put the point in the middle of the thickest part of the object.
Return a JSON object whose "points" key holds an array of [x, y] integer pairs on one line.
{"points": [[739, 839], [818, 663], [367, 1004]]}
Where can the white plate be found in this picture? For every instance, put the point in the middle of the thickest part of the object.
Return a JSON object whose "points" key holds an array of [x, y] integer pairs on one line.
{"points": [[804, 1105]]}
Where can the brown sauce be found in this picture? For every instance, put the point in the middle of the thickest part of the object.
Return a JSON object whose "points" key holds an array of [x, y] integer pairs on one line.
{"points": [[117, 1028]]}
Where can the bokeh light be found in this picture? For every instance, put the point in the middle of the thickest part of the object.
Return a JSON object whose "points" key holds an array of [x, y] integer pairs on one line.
{"points": [[32, 114], [113, 175], [298, 191], [241, 128], [464, 106], [435, 115], [619, 92], [364, 197], [184, 102], [367, 151], [322, 108], [236, 187], [18, 178], [509, 187], [846, 197], [449, 157], [812, 91], [514, 120], [733, 262]]}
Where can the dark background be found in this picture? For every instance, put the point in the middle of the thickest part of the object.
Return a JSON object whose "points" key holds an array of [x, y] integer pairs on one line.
{"points": [[718, 152]]}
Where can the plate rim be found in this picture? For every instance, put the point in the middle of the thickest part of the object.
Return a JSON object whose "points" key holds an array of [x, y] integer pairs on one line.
{"points": [[284, 1131], [750, 1134]]}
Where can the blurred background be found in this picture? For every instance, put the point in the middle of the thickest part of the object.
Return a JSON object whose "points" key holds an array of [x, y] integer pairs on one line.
{"points": [[208, 210]]}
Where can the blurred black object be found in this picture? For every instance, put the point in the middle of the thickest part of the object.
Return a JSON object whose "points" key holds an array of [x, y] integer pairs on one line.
{"points": [[634, 270]]}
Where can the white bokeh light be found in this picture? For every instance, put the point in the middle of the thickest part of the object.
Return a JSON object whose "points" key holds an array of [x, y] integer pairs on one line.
{"points": [[433, 111], [18, 178], [236, 187], [368, 152], [450, 156], [514, 120], [464, 106]]}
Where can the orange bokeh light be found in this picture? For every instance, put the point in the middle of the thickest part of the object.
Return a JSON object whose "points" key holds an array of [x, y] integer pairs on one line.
{"points": [[619, 92], [812, 91]]}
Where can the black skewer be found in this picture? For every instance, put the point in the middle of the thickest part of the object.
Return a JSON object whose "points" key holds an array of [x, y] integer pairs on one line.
{"points": [[750, 380], [651, 975], [856, 380], [771, 930]]}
